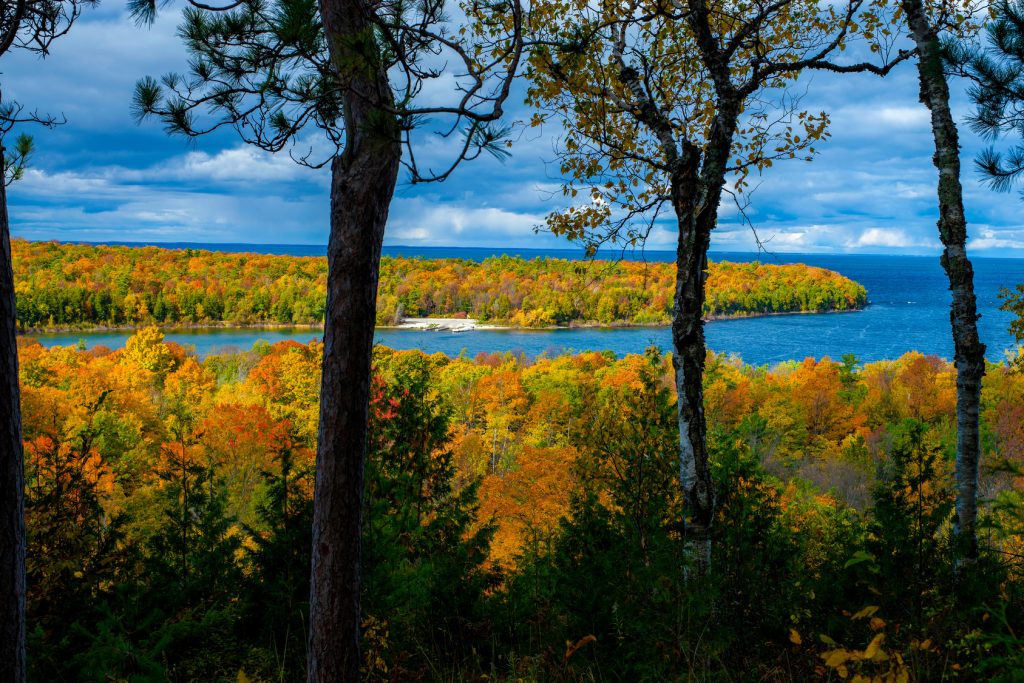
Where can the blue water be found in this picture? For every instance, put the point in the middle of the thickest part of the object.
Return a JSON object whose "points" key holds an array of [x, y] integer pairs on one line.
{"points": [[909, 310]]}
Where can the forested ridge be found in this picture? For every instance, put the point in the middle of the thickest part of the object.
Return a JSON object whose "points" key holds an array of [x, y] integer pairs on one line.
{"points": [[521, 519], [73, 285]]}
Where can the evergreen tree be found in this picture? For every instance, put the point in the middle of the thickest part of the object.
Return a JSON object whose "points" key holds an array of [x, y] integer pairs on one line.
{"points": [[425, 552], [997, 77], [276, 591], [275, 71], [77, 551]]}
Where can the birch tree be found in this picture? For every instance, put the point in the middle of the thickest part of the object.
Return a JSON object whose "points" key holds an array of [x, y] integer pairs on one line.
{"points": [[346, 76], [925, 24], [662, 103]]}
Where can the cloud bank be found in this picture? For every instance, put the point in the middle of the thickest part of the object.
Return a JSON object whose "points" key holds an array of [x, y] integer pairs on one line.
{"points": [[102, 177]]}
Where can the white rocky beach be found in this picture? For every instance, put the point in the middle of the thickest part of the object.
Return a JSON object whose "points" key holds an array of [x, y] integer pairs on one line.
{"points": [[443, 324]]}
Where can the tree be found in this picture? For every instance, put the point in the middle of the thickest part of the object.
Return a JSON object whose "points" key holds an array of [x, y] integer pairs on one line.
{"points": [[352, 70], [662, 103], [998, 91], [969, 352], [24, 25], [425, 552]]}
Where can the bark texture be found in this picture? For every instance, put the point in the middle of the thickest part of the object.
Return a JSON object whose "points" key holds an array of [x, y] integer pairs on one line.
{"points": [[696, 193], [689, 352], [969, 355], [363, 181], [697, 177], [12, 473]]}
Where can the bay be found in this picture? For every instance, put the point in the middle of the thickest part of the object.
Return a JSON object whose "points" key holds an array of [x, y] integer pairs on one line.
{"points": [[908, 310]]}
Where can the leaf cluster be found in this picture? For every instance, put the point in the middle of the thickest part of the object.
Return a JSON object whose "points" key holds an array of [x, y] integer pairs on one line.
{"points": [[641, 87]]}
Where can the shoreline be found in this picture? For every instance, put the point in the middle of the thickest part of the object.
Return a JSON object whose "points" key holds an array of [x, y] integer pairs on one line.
{"points": [[213, 325], [420, 324]]}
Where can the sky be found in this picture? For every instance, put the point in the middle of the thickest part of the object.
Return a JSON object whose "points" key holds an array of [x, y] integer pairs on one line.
{"points": [[100, 177]]}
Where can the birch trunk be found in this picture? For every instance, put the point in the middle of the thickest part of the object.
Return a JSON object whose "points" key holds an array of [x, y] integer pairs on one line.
{"points": [[969, 355], [695, 198], [363, 181], [688, 360], [12, 473]]}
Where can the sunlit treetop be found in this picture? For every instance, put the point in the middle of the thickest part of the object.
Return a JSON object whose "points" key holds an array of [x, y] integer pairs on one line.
{"points": [[636, 85]]}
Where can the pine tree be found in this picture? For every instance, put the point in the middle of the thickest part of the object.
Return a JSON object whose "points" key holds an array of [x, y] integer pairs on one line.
{"points": [[277, 70]]}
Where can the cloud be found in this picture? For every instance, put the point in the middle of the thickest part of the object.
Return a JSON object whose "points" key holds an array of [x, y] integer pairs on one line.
{"points": [[114, 203], [889, 237], [991, 239], [992, 243], [419, 221], [913, 118], [241, 164]]}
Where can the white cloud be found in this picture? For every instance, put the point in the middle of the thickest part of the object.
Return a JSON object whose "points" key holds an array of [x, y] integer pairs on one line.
{"points": [[1003, 239], [915, 118], [417, 221], [236, 165], [986, 243], [241, 164], [889, 237]]}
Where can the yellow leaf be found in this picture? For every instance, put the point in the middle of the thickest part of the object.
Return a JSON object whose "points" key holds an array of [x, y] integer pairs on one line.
{"points": [[866, 612], [794, 637], [877, 624], [873, 646], [835, 658]]}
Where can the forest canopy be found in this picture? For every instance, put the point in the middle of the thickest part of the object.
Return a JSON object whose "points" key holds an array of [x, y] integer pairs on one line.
{"points": [[178, 490], [75, 285]]}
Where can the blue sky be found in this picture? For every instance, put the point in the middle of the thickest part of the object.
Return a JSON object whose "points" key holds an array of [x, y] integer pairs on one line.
{"points": [[100, 177]]}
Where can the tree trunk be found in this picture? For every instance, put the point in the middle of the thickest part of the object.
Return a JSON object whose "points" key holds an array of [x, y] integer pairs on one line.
{"points": [[695, 199], [12, 471], [969, 355], [363, 181], [688, 360]]}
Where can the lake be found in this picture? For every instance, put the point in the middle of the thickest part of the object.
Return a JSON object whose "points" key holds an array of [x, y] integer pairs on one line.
{"points": [[909, 310]]}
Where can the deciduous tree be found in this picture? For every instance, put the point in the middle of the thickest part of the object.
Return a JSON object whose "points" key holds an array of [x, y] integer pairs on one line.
{"points": [[662, 103], [926, 24]]}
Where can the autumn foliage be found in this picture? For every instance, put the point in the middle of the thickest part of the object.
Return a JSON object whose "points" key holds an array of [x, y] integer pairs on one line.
{"points": [[519, 507], [64, 285]]}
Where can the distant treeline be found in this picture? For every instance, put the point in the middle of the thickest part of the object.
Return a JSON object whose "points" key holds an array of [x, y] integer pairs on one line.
{"points": [[66, 285]]}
